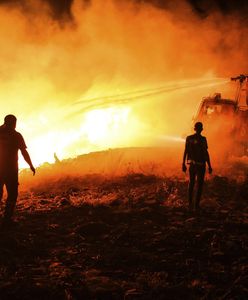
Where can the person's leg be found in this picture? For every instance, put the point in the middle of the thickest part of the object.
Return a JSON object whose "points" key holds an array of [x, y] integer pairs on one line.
{"points": [[200, 181], [1, 189], [192, 175], [12, 191]]}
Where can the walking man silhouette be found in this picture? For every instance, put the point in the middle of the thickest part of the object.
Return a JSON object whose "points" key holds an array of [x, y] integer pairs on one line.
{"points": [[196, 153], [10, 142]]}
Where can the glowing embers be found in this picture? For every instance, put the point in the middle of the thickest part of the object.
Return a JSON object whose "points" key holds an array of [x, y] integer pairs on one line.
{"points": [[105, 125]]}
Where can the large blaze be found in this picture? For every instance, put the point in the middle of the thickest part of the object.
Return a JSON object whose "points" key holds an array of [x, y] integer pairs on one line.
{"points": [[102, 126], [115, 74], [125, 203]]}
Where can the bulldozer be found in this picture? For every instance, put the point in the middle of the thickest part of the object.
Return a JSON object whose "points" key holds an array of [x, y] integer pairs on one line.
{"points": [[226, 120]]}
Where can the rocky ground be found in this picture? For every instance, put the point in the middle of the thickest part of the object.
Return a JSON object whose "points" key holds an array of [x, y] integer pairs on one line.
{"points": [[127, 238]]}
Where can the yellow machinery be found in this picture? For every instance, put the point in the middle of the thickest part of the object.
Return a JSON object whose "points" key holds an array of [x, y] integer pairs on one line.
{"points": [[226, 120]]}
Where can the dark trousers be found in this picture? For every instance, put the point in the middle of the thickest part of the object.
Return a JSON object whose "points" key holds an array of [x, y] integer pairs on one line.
{"points": [[10, 180], [196, 174]]}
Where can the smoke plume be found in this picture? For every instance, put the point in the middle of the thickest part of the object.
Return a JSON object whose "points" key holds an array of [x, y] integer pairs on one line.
{"points": [[142, 67]]}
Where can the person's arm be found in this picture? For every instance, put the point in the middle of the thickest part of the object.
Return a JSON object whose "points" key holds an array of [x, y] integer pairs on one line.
{"points": [[27, 158], [210, 170], [184, 168]]}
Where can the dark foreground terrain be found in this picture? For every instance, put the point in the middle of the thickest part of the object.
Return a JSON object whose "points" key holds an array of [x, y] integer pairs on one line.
{"points": [[126, 238]]}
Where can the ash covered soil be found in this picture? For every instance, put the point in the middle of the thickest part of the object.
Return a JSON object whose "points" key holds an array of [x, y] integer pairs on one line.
{"points": [[130, 237]]}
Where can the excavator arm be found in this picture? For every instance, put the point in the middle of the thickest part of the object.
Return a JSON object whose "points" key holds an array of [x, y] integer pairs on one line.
{"points": [[242, 88]]}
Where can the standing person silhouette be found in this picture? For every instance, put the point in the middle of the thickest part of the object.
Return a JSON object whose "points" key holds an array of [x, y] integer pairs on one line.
{"points": [[10, 142], [196, 153]]}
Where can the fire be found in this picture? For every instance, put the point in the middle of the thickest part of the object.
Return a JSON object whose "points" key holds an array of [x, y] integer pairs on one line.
{"points": [[135, 51], [104, 126], [99, 128]]}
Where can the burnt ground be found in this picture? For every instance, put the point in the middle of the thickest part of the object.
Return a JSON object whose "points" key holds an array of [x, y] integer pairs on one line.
{"points": [[126, 238]]}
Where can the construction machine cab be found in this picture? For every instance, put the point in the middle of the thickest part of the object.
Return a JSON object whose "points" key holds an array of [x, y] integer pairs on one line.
{"points": [[227, 118], [213, 107]]}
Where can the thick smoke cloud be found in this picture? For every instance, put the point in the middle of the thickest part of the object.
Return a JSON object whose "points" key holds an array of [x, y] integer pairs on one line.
{"points": [[57, 57], [203, 8]]}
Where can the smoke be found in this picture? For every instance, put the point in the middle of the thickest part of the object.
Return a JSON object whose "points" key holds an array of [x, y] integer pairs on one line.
{"points": [[97, 56]]}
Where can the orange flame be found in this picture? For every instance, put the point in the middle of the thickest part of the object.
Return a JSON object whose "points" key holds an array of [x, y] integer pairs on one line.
{"points": [[156, 65]]}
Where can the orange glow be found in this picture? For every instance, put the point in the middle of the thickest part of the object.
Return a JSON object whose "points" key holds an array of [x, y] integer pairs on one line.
{"points": [[119, 74], [104, 125]]}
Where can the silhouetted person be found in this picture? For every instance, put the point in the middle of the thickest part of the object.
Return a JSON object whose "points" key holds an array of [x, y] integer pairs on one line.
{"points": [[196, 153], [56, 158], [10, 142]]}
